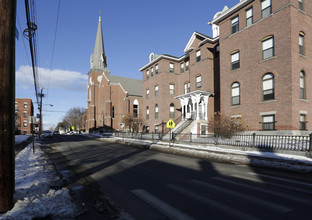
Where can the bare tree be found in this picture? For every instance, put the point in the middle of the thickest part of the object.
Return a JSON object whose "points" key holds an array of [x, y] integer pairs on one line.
{"points": [[74, 117], [131, 122]]}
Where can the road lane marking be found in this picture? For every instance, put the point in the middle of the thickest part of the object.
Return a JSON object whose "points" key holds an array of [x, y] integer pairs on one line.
{"points": [[255, 188], [161, 206], [212, 203], [265, 203], [282, 179]]}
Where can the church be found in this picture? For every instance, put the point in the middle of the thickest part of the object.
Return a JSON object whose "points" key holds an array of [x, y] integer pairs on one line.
{"points": [[110, 98]]}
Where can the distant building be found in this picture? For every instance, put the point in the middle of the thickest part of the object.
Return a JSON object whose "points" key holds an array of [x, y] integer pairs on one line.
{"points": [[23, 109], [110, 97]]}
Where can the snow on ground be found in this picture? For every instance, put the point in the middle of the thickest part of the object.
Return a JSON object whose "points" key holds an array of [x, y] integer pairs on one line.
{"points": [[36, 184]]}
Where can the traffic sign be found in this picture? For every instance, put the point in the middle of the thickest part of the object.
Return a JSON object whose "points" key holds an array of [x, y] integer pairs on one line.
{"points": [[170, 124]]}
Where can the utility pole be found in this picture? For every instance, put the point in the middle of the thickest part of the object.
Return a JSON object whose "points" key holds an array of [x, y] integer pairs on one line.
{"points": [[7, 103], [40, 111]]}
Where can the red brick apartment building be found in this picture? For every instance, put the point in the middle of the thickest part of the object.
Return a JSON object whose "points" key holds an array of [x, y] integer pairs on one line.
{"points": [[109, 97], [266, 63], [23, 109], [182, 88], [256, 67]]}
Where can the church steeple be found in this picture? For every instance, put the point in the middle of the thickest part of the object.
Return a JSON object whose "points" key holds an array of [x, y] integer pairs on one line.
{"points": [[98, 59]]}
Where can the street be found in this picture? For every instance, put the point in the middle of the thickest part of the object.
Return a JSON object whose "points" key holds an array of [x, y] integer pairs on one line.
{"points": [[153, 185]]}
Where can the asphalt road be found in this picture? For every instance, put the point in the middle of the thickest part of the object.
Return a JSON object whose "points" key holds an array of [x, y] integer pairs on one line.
{"points": [[147, 185]]}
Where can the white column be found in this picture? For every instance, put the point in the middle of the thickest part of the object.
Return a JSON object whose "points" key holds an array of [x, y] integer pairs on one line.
{"points": [[203, 110], [206, 107]]}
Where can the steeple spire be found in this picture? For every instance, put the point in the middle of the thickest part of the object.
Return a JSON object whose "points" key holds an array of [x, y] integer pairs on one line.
{"points": [[98, 59]]}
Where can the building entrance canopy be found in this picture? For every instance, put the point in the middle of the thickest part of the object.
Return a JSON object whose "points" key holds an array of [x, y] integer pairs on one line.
{"points": [[194, 105]]}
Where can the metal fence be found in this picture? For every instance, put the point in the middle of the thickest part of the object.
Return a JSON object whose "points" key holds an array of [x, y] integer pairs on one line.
{"points": [[274, 142]]}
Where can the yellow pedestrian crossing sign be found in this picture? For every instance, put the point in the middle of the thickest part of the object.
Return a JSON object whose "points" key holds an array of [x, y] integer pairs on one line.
{"points": [[170, 124]]}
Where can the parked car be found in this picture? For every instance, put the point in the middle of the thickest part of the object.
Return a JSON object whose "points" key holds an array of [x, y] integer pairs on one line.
{"points": [[47, 133], [56, 132]]}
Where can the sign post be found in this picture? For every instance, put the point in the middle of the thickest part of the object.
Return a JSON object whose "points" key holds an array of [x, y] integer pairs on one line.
{"points": [[170, 124]]}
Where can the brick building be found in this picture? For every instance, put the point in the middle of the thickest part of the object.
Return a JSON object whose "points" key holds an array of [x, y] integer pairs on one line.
{"points": [[109, 97], [182, 88], [266, 62], [261, 74], [23, 109]]}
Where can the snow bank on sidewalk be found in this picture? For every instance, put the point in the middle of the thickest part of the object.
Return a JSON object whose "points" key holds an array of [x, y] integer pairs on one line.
{"points": [[37, 192]]}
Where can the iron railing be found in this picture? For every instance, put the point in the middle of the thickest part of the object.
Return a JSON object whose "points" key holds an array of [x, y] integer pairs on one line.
{"points": [[269, 142]]}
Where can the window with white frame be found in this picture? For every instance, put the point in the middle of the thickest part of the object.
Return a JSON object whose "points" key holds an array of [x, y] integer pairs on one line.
{"points": [[268, 87], [198, 81], [249, 17], [198, 54], [147, 113], [25, 115], [171, 111], [235, 24], [171, 67], [25, 105], [156, 90], [171, 89], [301, 5], [156, 128], [303, 122], [25, 124], [156, 69], [235, 60], [187, 86], [187, 63], [152, 71], [147, 93], [266, 8], [135, 108], [302, 85], [235, 93], [268, 122], [268, 47], [182, 67], [147, 74], [156, 111], [301, 43]]}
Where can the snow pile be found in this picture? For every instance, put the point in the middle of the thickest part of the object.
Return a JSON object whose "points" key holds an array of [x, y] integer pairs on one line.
{"points": [[38, 191]]}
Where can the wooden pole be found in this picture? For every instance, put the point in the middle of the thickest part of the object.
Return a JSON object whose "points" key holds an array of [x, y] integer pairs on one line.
{"points": [[7, 103]]}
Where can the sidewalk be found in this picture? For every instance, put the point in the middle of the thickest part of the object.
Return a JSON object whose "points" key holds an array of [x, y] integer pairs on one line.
{"points": [[289, 160]]}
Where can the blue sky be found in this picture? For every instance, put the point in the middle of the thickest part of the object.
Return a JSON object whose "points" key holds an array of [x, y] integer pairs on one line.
{"points": [[131, 31]]}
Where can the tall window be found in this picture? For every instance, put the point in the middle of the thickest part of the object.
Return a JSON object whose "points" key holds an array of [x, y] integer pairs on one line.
{"points": [[156, 111], [235, 93], [301, 43], [268, 86], [198, 81], [266, 8], [235, 25], [147, 113], [25, 115], [198, 56], [303, 123], [268, 47], [156, 90], [182, 67], [152, 71], [147, 74], [113, 112], [171, 111], [147, 93], [187, 87], [187, 63], [301, 5], [171, 89], [25, 105], [156, 69], [268, 122], [135, 108], [156, 128], [249, 17], [235, 60], [302, 85], [171, 67]]}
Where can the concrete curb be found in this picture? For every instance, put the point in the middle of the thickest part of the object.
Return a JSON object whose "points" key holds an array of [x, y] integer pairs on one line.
{"points": [[218, 156]]}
